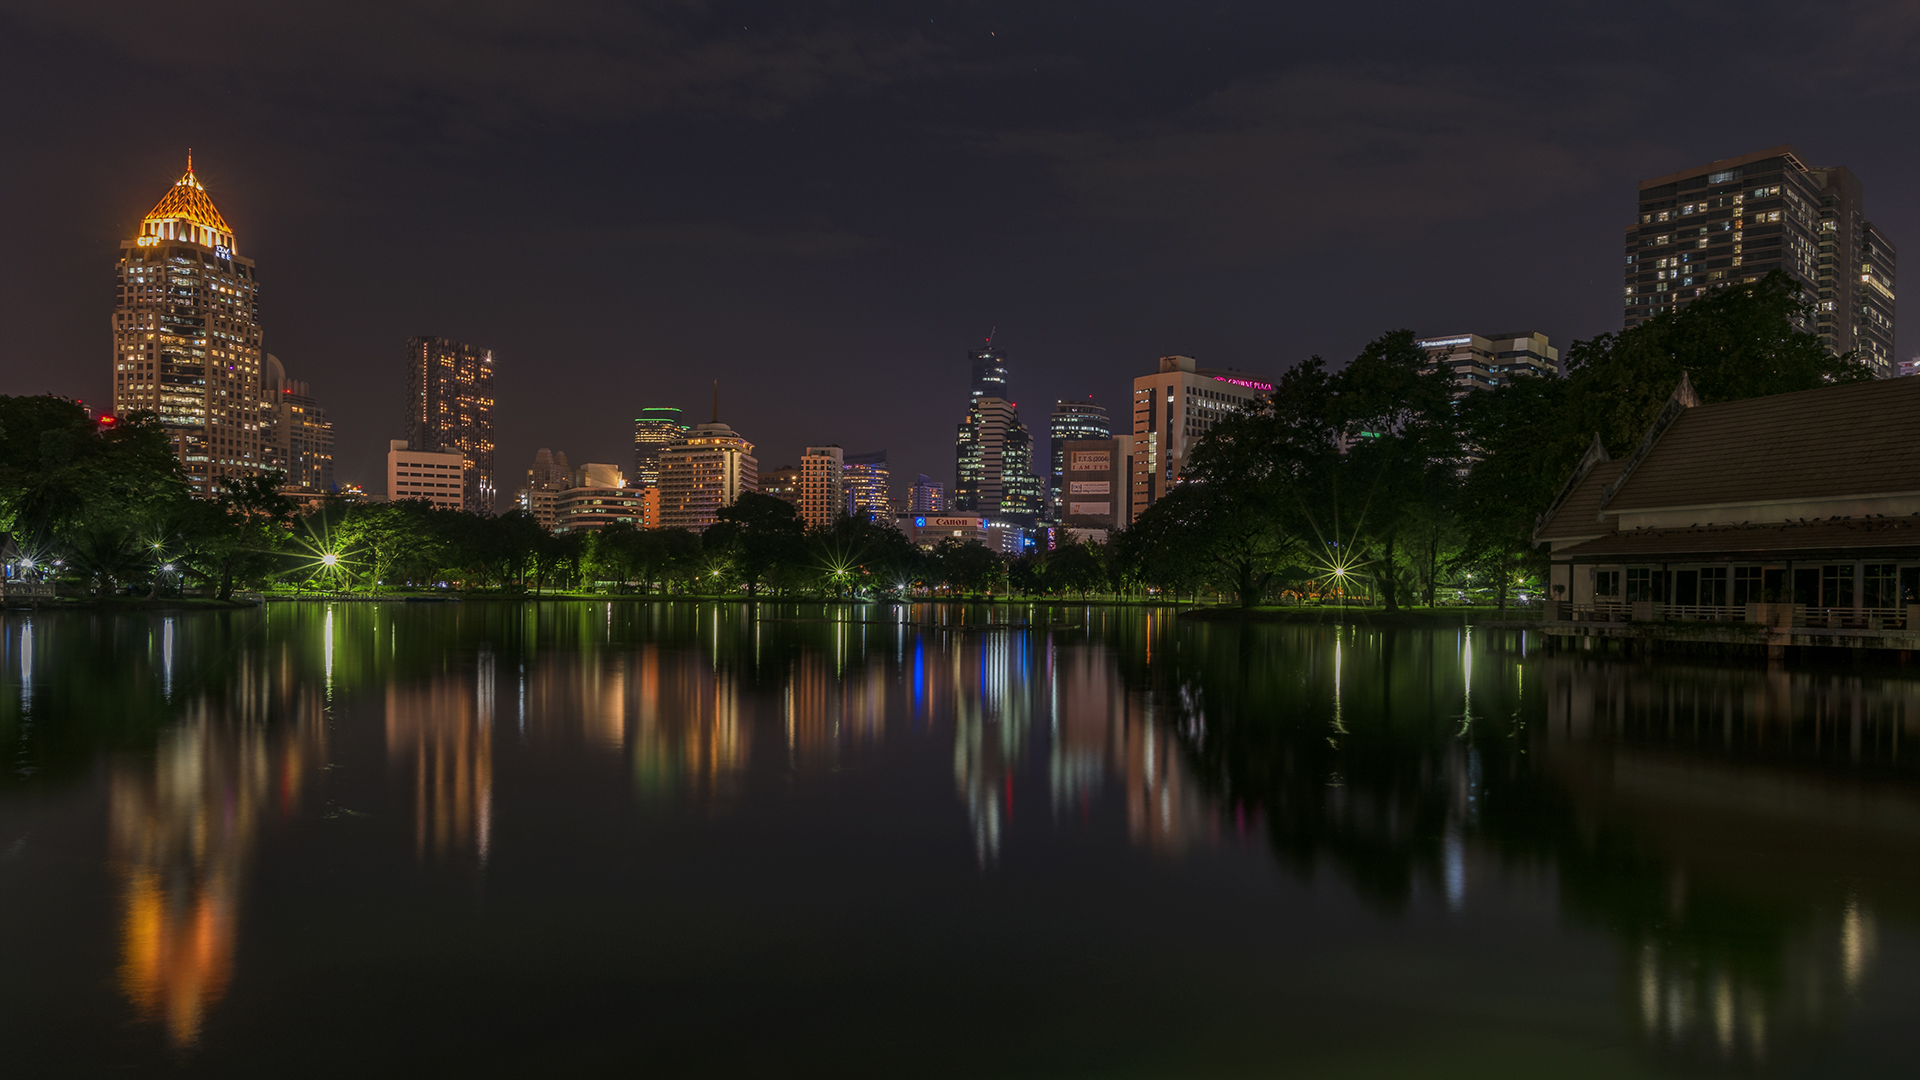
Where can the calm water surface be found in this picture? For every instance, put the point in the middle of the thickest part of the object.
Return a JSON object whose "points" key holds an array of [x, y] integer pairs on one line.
{"points": [[693, 840]]}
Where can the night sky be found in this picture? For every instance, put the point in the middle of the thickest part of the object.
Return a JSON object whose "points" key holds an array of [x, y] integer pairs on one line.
{"points": [[825, 206]]}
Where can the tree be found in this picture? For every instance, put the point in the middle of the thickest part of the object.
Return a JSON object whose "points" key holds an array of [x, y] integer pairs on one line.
{"points": [[1743, 340], [1393, 408], [760, 534], [239, 533], [968, 566]]}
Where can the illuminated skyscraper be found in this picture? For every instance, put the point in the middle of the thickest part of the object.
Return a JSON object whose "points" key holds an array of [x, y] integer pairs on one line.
{"points": [[989, 373], [1072, 420], [186, 335], [450, 409], [655, 429], [993, 454], [995, 464]]}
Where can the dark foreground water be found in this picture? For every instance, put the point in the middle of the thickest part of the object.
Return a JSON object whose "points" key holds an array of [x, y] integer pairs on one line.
{"points": [[683, 840]]}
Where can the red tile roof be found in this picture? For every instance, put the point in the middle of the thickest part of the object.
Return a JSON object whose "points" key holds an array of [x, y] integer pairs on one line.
{"points": [[1835, 442], [1579, 515]]}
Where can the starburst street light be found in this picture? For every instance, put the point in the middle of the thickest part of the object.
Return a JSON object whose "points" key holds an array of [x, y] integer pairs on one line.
{"points": [[326, 558]]}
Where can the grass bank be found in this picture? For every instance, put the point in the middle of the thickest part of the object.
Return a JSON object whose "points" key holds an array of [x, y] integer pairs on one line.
{"points": [[1363, 616]]}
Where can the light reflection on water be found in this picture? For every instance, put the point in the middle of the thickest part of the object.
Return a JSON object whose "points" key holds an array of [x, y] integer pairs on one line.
{"points": [[1740, 835]]}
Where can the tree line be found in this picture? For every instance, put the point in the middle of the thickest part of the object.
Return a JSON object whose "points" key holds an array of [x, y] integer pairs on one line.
{"points": [[1369, 481]]}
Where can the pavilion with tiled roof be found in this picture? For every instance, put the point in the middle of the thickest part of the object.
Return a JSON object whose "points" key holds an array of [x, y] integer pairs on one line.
{"points": [[1810, 499]]}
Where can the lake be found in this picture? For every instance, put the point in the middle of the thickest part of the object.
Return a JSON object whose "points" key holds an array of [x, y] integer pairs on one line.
{"points": [[681, 839]]}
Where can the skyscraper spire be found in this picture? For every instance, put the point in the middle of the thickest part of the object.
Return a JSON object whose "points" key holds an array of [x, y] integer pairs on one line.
{"points": [[186, 213]]}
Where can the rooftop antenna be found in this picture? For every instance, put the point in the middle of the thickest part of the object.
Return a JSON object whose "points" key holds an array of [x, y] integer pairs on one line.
{"points": [[716, 401], [990, 334]]}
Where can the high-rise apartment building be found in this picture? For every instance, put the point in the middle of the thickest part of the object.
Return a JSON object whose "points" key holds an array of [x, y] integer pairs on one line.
{"points": [[186, 335], [655, 429], [926, 496], [1482, 362], [869, 486], [450, 409], [1071, 420], [823, 496], [295, 436], [435, 476], [1738, 218], [704, 474], [1172, 409]]}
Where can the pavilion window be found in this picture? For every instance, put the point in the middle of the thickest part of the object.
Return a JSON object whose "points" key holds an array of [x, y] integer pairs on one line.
{"points": [[1880, 584], [1836, 586], [1747, 587], [1639, 585], [1713, 586]]}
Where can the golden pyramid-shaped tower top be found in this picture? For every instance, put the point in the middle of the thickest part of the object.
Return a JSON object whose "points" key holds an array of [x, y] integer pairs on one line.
{"points": [[186, 213]]}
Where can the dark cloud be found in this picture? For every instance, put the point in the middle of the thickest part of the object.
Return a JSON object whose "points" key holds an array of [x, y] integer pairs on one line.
{"points": [[1281, 164], [499, 62], [824, 204]]}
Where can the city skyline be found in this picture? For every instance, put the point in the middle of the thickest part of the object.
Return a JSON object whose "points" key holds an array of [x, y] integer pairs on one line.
{"points": [[1108, 218]]}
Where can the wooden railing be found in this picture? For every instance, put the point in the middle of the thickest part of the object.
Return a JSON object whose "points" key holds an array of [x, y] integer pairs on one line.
{"points": [[1768, 614]]}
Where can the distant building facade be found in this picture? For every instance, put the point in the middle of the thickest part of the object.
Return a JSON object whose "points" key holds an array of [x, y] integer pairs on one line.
{"points": [[296, 437], [822, 486], [868, 486], [549, 476], [1172, 409], [655, 429], [590, 509], [1095, 488], [186, 335], [439, 478], [1738, 218], [782, 483], [928, 530], [1071, 420], [599, 475], [449, 387], [704, 474], [1482, 362], [926, 496]]}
